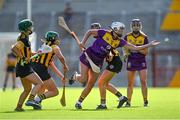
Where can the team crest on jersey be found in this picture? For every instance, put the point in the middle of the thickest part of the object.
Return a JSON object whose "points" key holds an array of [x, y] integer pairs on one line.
{"points": [[111, 67]]}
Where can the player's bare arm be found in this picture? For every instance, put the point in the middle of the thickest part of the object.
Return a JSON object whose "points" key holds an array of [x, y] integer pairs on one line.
{"points": [[133, 47], [144, 51], [58, 53], [56, 70], [92, 32], [15, 49]]}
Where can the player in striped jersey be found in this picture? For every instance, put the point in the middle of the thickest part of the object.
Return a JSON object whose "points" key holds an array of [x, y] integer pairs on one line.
{"points": [[22, 49], [40, 66]]}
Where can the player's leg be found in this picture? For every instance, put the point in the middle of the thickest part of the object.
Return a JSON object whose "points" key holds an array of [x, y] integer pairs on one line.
{"points": [[92, 77], [105, 77], [14, 80], [27, 88], [5, 81], [34, 79], [143, 77], [122, 99], [82, 77], [131, 76], [51, 90]]}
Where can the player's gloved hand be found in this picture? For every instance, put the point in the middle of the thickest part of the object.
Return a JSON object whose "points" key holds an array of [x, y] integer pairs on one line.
{"points": [[124, 58], [24, 61], [82, 47]]}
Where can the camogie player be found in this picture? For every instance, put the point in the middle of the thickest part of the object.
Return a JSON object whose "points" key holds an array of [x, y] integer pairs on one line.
{"points": [[114, 66], [40, 66], [97, 52], [22, 49], [136, 60], [10, 69]]}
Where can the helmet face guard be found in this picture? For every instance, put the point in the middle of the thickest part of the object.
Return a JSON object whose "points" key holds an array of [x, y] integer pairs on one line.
{"points": [[26, 25], [95, 26], [118, 28], [136, 25]]}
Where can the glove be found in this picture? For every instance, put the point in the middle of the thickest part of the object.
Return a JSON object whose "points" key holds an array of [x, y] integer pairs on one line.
{"points": [[124, 58], [23, 61]]}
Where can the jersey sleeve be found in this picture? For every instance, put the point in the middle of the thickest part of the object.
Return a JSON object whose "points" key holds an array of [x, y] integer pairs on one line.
{"points": [[101, 32], [122, 43]]}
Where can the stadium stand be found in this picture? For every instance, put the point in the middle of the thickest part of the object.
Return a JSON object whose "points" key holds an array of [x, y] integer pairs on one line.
{"points": [[152, 14]]}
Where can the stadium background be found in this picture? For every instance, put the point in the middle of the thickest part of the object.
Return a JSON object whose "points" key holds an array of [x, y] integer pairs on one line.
{"points": [[160, 20]]}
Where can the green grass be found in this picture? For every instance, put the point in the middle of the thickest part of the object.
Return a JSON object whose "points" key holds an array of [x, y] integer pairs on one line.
{"points": [[164, 103]]}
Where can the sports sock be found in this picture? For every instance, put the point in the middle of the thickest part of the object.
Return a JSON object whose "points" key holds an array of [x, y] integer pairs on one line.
{"points": [[118, 94], [103, 101], [31, 97], [80, 100], [42, 96]]}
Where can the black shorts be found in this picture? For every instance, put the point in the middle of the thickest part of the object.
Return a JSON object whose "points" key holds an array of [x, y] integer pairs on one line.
{"points": [[23, 71], [41, 70], [115, 65], [10, 69]]}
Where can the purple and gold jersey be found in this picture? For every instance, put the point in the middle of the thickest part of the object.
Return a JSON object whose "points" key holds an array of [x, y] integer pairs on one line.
{"points": [[101, 47], [136, 60]]}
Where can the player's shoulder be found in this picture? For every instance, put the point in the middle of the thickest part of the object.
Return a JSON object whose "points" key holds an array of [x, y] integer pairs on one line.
{"points": [[55, 47], [143, 34], [128, 34]]}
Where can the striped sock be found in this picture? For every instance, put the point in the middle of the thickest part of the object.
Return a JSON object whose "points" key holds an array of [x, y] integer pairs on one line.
{"points": [[103, 101], [118, 94], [31, 97], [80, 99], [42, 96]]}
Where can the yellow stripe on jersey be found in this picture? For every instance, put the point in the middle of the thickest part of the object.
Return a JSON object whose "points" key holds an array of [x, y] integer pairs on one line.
{"points": [[25, 51], [108, 38], [45, 58], [48, 59], [42, 58]]}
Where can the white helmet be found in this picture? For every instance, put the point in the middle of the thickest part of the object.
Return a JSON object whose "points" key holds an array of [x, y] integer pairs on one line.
{"points": [[117, 25]]}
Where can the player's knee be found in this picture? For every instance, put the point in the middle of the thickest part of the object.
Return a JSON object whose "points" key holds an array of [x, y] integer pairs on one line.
{"points": [[144, 83], [100, 83], [27, 90], [130, 85]]}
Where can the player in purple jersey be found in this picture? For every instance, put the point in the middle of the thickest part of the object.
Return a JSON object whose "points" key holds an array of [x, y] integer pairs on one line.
{"points": [[136, 60], [97, 52]]}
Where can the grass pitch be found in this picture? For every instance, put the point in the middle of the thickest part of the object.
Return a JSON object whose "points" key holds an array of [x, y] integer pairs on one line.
{"points": [[164, 103]]}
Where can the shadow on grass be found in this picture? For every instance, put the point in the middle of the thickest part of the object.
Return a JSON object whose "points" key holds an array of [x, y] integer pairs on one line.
{"points": [[30, 110]]}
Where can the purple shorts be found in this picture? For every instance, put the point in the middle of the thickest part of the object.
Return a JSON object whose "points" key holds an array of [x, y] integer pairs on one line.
{"points": [[136, 65], [97, 60]]}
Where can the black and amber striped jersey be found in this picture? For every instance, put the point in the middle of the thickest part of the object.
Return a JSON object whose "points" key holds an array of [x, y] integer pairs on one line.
{"points": [[11, 60], [24, 45], [45, 58]]}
